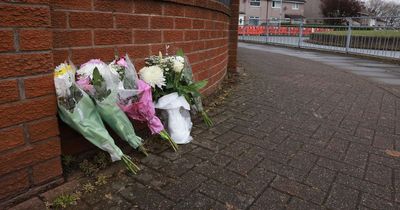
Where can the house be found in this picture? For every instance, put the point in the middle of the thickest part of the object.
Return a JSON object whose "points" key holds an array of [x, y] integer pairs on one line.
{"points": [[255, 12], [312, 11]]}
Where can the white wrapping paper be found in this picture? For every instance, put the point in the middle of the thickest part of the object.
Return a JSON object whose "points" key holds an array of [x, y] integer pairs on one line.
{"points": [[176, 109]]}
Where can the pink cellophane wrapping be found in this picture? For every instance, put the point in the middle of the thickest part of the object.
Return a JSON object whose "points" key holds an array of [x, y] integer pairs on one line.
{"points": [[143, 110]]}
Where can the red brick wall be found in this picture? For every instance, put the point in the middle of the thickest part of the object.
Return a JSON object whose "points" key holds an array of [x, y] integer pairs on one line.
{"points": [[36, 35], [29, 139]]}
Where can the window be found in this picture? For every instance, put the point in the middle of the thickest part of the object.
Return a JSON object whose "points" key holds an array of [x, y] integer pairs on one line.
{"points": [[276, 4], [295, 6], [254, 20], [255, 3]]}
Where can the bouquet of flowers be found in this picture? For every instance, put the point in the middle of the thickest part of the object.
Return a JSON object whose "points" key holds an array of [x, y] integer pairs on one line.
{"points": [[78, 111], [173, 88], [98, 80], [135, 98]]}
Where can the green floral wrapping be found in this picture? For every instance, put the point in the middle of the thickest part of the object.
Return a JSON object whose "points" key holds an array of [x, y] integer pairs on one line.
{"points": [[86, 120], [117, 120]]}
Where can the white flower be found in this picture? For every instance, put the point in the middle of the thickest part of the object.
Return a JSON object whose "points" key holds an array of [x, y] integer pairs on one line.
{"points": [[63, 79], [178, 66], [180, 59], [153, 75]]}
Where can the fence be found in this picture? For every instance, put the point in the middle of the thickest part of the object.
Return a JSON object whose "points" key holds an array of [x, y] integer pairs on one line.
{"points": [[358, 35]]}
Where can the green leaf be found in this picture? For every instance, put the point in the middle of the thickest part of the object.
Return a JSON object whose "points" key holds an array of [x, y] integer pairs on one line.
{"points": [[198, 85], [97, 78], [180, 53]]}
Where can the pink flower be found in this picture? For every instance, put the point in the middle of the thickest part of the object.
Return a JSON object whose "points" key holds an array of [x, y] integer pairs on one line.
{"points": [[84, 83], [122, 62]]}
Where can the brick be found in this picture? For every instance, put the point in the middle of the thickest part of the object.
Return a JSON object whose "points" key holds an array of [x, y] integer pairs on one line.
{"points": [[24, 16], [342, 197], [196, 13], [43, 129], [75, 38], [198, 201], [35, 39], [273, 199], [147, 7], [19, 112], [198, 24], [364, 186], [7, 40], [114, 6], [9, 91], [33, 203], [183, 23], [11, 138], [161, 22], [80, 56], [222, 175], [226, 194], [142, 199], [39, 86], [373, 202], [134, 52], [25, 64], [59, 56], [252, 184], [29, 155], [172, 36], [146, 36], [13, 183], [132, 21], [28, 1], [298, 189], [379, 174], [58, 19], [191, 35], [46, 170], [111, 37], [75, 5], [174, 10], [90, 20]]}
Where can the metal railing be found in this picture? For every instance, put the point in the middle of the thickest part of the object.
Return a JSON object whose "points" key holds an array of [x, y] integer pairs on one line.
{"points": [[357, 35]]}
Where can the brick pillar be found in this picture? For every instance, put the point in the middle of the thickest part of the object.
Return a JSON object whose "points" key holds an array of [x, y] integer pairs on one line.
{"points": [[233, 35], [29, 143]]}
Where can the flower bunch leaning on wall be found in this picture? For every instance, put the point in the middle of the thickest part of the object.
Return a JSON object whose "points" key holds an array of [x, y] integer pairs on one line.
{"points": [[99, 93]]}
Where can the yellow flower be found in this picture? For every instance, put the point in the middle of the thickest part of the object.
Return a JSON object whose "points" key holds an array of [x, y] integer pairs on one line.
{"points": [[62, 69]]}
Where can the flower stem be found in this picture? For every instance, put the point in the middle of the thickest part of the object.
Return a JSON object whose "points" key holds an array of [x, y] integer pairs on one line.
{"points": [[143, 149], [130, 166], [207, 119], [164, 134]]}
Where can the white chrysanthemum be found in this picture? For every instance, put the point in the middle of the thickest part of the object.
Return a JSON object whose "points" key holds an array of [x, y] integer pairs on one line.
{"points": [[180, 59], [63, 79], [153, 75], [178, 66]]}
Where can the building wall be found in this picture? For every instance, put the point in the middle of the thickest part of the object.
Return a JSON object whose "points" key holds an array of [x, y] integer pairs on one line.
{"points": [[312, 9], [29, 142], [286, 9], [265, 10], [248, 10], [36, 35]]}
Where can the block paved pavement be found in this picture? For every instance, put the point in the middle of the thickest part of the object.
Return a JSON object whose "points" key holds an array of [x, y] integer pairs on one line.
{"points": [[293, 134]]}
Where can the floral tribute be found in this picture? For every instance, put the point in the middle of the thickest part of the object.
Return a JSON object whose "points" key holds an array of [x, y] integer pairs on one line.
{"points": [[135, 98], [175, 91], [99, 81], [112, 93], [77, 110]]}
